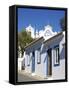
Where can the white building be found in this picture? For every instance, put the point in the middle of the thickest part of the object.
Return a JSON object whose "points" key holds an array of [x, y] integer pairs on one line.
{"points": [[46, 33], [31, 30], [45, 57]]}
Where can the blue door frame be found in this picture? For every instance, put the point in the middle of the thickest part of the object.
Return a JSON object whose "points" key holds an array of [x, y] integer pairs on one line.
{"points": [[33, 62]]}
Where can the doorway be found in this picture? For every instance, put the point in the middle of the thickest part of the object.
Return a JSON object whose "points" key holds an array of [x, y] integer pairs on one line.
{"points": [[33, 62], [49, 62]]}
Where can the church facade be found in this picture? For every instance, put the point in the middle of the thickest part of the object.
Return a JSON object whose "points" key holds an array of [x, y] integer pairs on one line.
{"points": [[45, 56], [35, 33]]}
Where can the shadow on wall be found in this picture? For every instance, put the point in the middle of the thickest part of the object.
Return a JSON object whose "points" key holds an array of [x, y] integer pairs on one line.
{"points": [[62, 53], [45, 58]]}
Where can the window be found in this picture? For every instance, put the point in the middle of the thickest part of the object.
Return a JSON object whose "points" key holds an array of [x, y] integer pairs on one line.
{"points": [[56, 55], [38, 56]]}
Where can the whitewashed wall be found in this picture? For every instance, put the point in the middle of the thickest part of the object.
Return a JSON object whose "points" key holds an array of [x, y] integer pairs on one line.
{"points": [[20, 63]]}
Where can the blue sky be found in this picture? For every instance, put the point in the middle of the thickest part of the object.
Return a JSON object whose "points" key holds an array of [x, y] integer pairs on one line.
{"points": [[38, 18]]}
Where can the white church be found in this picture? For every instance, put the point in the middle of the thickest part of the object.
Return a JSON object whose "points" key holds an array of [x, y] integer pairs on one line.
{"points": [[39, 33]]}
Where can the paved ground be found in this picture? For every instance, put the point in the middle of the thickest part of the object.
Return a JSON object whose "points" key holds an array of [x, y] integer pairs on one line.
{"points": [[25, 76], [22, 77]]}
